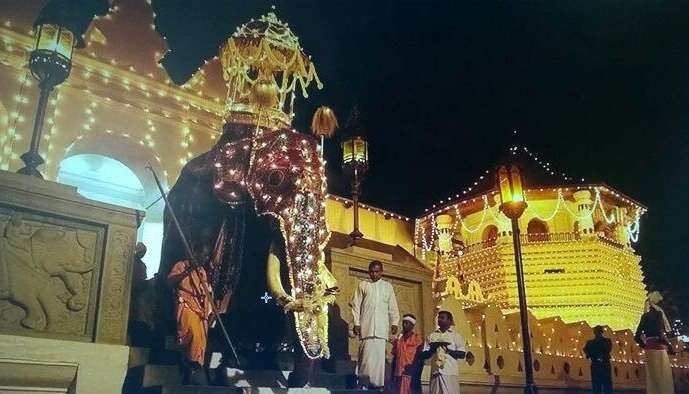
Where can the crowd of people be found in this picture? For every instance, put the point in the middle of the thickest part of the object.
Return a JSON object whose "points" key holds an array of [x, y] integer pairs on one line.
{"points": [[376, 317]]}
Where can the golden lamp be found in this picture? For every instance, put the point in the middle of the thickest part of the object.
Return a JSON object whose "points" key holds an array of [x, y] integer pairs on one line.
{"points": [[355, 154], [51, 59], [511, 192]]}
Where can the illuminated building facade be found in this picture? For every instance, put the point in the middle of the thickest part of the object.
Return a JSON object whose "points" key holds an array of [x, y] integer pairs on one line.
{"points": [[117, 111], [577, 246]]}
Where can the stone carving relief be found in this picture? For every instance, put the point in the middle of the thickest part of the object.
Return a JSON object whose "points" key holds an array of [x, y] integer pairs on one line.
{"points": [[46, 274]]}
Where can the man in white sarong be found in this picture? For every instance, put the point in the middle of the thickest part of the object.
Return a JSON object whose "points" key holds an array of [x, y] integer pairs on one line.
{"points": [[376, 316], [444, 347]]}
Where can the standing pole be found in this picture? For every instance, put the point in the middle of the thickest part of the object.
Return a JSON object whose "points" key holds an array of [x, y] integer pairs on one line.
{"points": [[356, 234], [529, 387], [32, 159], [193, 262]]}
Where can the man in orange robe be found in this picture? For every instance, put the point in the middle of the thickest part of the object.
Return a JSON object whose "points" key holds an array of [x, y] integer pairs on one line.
{"points": [[194, 296], [406, 350]]}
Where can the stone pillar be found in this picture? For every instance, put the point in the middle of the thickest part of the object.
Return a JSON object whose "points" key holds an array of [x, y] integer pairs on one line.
{"points": [[584, 206], [65, 268]]}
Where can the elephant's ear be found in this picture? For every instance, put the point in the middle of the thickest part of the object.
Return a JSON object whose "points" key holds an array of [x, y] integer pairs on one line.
{"points": [[48, 235]]}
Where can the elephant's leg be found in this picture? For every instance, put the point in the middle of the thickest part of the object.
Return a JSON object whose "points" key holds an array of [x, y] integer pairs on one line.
{"points": [[51, 306], [26, 297], [303, 366], [75, 285]]}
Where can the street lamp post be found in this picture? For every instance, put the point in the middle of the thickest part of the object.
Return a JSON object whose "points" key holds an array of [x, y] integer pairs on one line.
{"points": [[513, 206], [355, 163], [50, 63]]}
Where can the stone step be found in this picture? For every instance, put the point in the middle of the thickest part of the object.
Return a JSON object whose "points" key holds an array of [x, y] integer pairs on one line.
{"points": [[139, 356], [268, 378], [310, 390], [345, 367], [154, 375], [246, 390]]}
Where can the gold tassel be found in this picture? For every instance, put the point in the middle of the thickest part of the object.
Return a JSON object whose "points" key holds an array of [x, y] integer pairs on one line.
{"points": [[324, 122]]}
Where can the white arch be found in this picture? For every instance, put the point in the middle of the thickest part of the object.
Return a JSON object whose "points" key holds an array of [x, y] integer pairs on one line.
{"points": [[134, 157]]}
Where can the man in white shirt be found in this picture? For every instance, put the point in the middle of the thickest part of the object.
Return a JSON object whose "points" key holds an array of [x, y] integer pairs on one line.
{"points": [[445, 346], [376, 316]]}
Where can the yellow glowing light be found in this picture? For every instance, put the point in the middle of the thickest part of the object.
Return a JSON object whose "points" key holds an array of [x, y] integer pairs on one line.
{"points": [[55, 39], [504, 184], [354, 150], [517, 192]]}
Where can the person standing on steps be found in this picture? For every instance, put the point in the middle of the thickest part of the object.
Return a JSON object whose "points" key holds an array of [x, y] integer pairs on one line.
{"points": [[406, 365], [651, 335], [598, 351], [444, 347], [193, 298], [376, 316]]}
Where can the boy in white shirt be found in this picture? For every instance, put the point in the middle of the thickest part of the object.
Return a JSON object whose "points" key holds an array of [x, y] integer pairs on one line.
{"points": [[444, 346]]}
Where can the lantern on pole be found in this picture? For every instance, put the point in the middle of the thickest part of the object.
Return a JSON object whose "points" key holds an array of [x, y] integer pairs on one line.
{"points": [[50, 63], [355, 164], [513, 206]]}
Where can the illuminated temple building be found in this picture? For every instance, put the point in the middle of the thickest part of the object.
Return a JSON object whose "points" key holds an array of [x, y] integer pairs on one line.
{"points": [[576, 244], [118, 112]]}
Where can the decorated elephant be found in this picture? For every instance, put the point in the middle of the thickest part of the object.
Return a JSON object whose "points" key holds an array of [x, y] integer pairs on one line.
{"points": [[257, 198]]}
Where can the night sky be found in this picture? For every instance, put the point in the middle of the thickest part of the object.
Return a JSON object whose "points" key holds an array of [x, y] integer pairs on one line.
{"points": [[600, 89]]}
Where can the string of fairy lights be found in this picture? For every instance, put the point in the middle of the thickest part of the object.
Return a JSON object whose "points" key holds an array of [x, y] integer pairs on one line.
{"points": [[489, 175], [9, 139], [561, 205], [111, 73], [445, 206]]}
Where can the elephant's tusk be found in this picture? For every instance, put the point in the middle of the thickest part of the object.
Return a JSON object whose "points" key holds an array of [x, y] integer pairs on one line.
{"points": [[274, 282]]}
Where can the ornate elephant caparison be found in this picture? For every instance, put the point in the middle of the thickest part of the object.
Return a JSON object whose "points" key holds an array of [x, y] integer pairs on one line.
{"points": [[261, 169]]}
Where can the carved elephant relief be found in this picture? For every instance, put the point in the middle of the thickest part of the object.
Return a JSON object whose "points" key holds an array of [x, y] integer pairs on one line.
{"points": [[45, 272]]}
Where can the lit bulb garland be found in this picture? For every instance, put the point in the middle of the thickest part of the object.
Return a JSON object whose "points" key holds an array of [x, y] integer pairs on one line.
{"points": [[7, 141], [420, 234]]}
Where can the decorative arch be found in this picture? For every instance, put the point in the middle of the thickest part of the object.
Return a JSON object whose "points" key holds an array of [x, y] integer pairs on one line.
{"points": [[537, 230], [125, 150], [102, 178], [135, 158], [537, 226], [489, 235]]}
